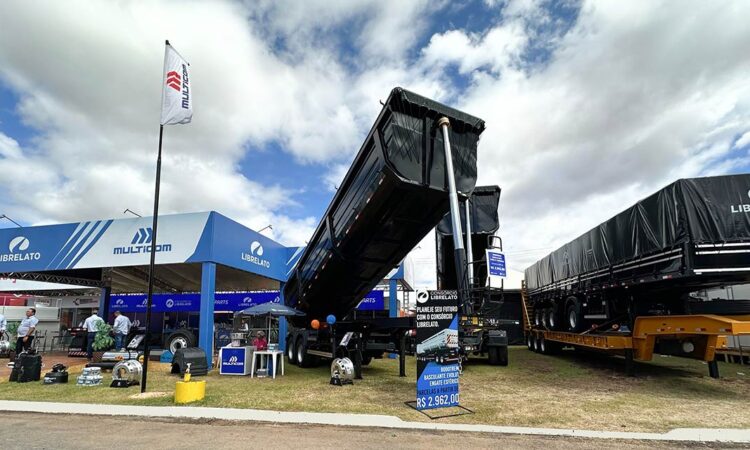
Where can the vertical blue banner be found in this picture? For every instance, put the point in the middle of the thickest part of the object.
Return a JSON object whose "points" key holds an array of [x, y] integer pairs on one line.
{"points": [[438, 354]]}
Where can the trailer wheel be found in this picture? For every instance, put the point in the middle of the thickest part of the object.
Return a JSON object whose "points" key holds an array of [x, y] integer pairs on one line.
{"points": [[303, 359], [552, 319], [542, 345], [502, 353], [573, 315], [536, 344], [181, 339], [530, 341], [290, 350], [538, 317]]}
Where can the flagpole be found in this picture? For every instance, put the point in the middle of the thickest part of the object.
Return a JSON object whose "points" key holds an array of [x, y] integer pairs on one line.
{"points": [[146, 349]]}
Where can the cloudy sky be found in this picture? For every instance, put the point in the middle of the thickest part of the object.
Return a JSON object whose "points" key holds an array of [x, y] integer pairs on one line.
{"points": [[589, 105]]}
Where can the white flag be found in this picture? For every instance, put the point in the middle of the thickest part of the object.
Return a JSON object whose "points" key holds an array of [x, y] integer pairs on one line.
{"points": [[177, 92]]}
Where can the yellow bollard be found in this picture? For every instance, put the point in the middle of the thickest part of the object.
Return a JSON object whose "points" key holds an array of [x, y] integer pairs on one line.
{"points": [[189, 391]]}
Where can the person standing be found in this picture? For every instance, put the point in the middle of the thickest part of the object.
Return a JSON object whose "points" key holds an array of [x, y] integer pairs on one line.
{"points": [[90, 325], [3, 325], [26, 331], [121, 328]]}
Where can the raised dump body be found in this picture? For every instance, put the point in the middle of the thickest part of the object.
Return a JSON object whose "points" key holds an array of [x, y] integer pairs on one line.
{"points": [[395, 191], [484, 223], [693, 234]]}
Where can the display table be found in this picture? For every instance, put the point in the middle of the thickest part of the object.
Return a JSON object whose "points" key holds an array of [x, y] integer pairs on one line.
{"points": [[264, 355], [235, 360]]}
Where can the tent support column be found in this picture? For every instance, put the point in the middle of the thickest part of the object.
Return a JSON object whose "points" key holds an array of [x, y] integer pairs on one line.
{"points": [[206, 324]]}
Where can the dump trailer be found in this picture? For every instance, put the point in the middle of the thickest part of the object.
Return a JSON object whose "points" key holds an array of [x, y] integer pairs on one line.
{"points": [[442, 347], [481, 328], [624, 286], [395, 192]]}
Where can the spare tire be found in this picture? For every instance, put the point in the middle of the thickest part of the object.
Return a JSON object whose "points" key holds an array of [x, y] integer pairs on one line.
{"points": [[181, 339]]}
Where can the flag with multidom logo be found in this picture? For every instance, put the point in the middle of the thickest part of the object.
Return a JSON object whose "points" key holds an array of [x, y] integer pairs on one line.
{"points": [[177, 91]]}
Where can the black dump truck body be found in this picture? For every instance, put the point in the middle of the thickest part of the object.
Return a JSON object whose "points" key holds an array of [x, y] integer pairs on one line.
{"points": [[393, 194], [690, 235], [485, 222], [481, 328]]}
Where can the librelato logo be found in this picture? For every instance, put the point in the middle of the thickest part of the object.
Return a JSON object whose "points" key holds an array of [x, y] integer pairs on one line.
{"points": [[254, 257], [18, 251]]}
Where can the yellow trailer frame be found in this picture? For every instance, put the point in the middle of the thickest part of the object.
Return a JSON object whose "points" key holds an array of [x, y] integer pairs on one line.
{"points": [[702, 334]]}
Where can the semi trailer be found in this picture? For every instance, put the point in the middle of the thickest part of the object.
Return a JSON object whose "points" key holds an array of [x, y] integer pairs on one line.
{"points": [[481, 327], [398, 188], [441, 347], [624, 286]]}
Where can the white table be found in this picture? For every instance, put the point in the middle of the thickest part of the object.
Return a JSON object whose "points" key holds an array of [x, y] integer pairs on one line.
{"points": [[274, 354]]}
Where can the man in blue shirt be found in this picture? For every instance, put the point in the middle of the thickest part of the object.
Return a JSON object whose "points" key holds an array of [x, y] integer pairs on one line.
{"points": [[26, 331]]}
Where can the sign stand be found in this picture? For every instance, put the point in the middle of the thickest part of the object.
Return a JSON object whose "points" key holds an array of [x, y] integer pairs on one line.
{"points": [[464, 410]]}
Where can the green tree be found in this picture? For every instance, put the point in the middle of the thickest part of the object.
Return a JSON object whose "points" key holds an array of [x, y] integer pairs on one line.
{"points": [[103, 339]]}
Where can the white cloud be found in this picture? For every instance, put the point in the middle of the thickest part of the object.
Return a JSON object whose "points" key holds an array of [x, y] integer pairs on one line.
{"points": [[632, 96], [743, 140]]}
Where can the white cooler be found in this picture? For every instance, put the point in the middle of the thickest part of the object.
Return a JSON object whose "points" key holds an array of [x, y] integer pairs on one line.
{"points": [[235, 360]]}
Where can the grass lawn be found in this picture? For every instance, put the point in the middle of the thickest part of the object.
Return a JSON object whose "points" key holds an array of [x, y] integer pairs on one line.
{"points": [[566, 391]]}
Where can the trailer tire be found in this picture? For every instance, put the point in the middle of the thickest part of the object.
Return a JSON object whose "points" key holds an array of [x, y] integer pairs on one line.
{"points": [[552, 319], [291, 353], [543, 345], [303, 359], [537, 317], [574, 315], [181, 339], [530, 341], [503, 356], [536, 343]]}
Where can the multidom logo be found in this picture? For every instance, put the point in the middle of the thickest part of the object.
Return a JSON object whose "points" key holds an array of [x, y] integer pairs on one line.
{"points": [[141, 243], [256, 251], [17, 251]]}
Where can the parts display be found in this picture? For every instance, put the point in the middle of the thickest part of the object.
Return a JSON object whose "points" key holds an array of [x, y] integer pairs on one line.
{"points": [[27, 367], [692, 233], [58, 375], [393, 194], [485, 222], [91, 376], [126, 373], [196, 357]]}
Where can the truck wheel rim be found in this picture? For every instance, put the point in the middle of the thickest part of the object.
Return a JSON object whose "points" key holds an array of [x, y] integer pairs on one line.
{"points": [[177, 344]]}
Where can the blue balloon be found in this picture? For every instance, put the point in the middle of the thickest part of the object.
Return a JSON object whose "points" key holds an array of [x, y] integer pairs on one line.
{"points": [[331, 319]]}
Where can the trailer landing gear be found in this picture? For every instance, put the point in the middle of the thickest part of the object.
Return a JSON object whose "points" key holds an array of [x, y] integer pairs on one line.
{"points": [[713, 369]]}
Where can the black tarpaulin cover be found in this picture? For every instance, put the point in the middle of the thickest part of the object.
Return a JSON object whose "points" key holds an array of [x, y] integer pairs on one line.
{"points": [[394, 192], [696, 210], [485, 222]]}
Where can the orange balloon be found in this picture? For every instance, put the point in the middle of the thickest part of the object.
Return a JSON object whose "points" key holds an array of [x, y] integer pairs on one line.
{"points": [[315, 324]]}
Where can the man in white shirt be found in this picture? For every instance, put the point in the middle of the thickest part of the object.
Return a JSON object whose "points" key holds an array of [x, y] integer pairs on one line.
{"points": [[3, 324], [90, 325], [121, 327], [26, 331]]}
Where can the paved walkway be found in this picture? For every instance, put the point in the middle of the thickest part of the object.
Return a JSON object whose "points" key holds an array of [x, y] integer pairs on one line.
{"points": [[361, 420]]}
